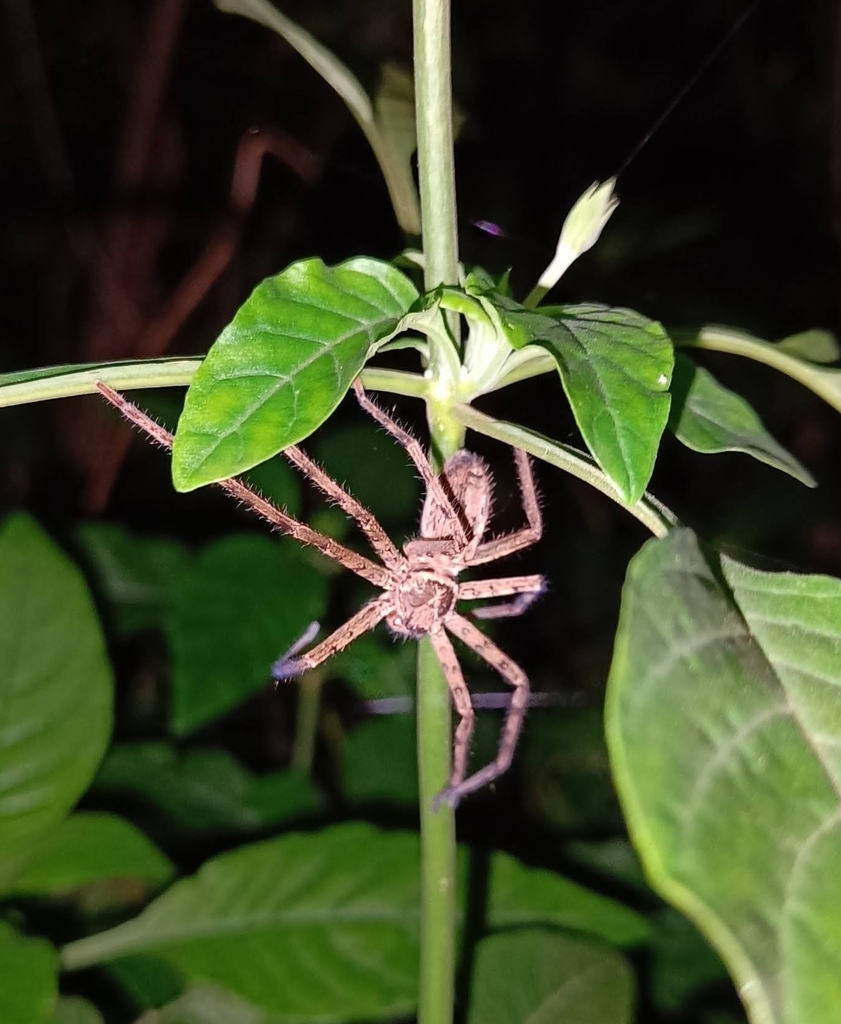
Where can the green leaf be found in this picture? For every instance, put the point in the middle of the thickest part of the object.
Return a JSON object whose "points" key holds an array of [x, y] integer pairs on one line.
{"points": [[28, 968], [648, 510], [86, 848], [275, 921], [284, 363], [379, 763], [815, 345], [75, 1010], [148, 981], [616, 368], [682, 963], [55, 686], [724, 726], [519, 896], [374, 469], [137, 574], [204, 1004], [206, 789], [541, 977], [708, 418], [823, 381], [244, 601]]}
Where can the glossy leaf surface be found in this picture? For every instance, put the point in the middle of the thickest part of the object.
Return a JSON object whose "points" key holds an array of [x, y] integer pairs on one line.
{"points": [[55, 686], [284, 363], [724, 724], [542, 977], [616, 367]]}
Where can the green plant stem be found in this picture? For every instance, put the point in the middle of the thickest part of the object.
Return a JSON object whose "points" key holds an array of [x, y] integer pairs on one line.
{"points": [[80, 379], [306, 721], [67, 381], [436, 175], [436, 167], [823, 380], [438, 846], [651, 512]]}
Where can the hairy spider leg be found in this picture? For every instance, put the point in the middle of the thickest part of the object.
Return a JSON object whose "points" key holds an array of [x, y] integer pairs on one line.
{"points": [[434, 485], [357, 563], [516, 678], [509, 543], [527, 589], [290, 665], [380, 541], [462, 702]]}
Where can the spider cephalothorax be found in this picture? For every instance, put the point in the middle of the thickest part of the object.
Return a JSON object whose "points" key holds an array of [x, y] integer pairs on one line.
{"points": [[420, 588]]}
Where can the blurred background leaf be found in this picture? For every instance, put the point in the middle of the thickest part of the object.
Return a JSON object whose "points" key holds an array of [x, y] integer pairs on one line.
{"points": [[244, 601], [55, 686], [205, 789]]}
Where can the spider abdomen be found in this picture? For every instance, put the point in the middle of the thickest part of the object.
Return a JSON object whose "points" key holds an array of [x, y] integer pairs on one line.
{"points": [[422, 600]]}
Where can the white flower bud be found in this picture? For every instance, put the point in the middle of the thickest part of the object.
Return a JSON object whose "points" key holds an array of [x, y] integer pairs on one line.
{"points": [[582, 227]]}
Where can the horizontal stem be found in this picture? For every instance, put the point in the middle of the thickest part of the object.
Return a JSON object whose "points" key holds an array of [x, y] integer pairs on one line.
{"points": [[67, 381], [648, 510]]}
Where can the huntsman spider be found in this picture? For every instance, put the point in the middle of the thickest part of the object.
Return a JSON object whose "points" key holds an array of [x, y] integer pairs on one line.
{"points": [[420, 586]]}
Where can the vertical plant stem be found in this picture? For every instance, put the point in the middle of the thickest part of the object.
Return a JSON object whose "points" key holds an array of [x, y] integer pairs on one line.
{"points": [[306, 721], [436, 167], [438, 845], [436, 174]]}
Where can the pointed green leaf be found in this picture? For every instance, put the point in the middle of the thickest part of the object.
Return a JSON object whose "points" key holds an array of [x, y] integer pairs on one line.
{"points": [[28, 982], [724, 726], [815, 345], [311, 927], [244, 601], [55, 686], [542, 977], [87, 848], [324, 927], [205, 789], [519, 896], [284, 363], [708, 418], [616, 368]]}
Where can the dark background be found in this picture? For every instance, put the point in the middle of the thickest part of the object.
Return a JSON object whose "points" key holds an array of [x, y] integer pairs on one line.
{"points": [[730, 214]]}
